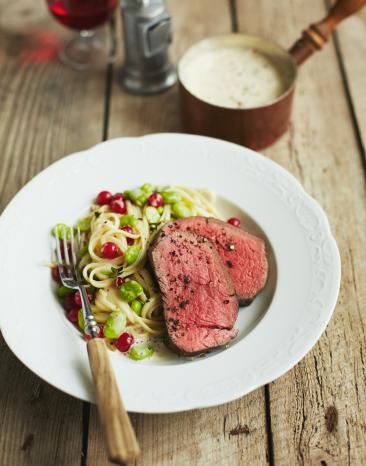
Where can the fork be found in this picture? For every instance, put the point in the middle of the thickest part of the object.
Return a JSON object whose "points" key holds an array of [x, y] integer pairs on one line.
{"points": [[120, 437]]}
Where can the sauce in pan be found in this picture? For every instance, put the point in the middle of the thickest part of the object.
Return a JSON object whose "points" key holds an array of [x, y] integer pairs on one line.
{"points": [[233, 77]]}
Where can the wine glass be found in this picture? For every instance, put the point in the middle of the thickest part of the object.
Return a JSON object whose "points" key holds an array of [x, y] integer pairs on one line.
{"points": [[84, 16]]}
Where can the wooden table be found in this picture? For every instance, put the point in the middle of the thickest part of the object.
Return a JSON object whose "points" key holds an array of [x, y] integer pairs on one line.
{"points": [[316, 413]]}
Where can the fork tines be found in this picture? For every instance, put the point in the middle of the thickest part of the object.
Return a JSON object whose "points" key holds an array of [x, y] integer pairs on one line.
{"points": [[67, 262]]}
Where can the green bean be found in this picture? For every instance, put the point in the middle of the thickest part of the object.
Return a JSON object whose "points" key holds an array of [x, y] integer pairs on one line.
{"points": [[147, 188], [83, 224], [128, 220], [141, 352], [127, 193], [83, 251], [132, 254], [62, 291], [152, 214], [136, 306], [81, 321], [180, 210], [134, 194], [58, 230], [115, 325], [170, 197], [130, 290], [141, 200], [138, 196]]}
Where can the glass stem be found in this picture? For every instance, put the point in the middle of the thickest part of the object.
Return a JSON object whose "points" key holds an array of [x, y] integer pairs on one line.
{"points": [[87, 34]]}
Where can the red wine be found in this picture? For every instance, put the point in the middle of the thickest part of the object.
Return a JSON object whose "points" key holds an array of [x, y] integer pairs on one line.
{"points": [[82, 14]]}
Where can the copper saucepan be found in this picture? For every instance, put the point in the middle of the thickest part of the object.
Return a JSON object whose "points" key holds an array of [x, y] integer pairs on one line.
{"points": [[261, 126]]}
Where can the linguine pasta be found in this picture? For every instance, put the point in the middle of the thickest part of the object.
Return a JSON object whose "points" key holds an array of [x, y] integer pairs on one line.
{"points": [[108, 277]]}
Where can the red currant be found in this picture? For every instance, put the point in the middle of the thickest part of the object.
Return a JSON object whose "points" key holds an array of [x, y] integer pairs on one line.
{"points": [[104, 197], [110, 250], [119, 281], [155, 200], [118, 206], [72, 315], [68, 302], [234, 221], [128, 229], [77, 298], [63, 252], [118, 197], [124, 342], [56, 274]]}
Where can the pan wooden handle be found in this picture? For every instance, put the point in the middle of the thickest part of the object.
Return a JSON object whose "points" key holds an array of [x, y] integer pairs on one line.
{"points": [[121, 441], [316, 35]]}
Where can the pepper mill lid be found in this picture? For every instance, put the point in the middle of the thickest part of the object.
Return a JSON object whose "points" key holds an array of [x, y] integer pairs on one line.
{"points": [[147, 35]]}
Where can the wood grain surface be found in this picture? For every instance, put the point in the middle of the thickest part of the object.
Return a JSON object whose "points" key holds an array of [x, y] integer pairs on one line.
{"points": [[46, 112], [316, 413], [313, 420], [351, 39]]}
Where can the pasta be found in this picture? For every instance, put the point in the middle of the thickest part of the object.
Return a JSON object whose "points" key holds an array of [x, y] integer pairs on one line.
{"points": [[125, 297]]}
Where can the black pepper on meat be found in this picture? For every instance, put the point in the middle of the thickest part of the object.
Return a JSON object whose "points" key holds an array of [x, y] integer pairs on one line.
{"points": [[186, 279], [184, 303], [193, 325], [239, 250]]}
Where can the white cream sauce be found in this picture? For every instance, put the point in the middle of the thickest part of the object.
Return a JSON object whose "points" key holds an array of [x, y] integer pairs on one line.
{"points": [[234, 77]]}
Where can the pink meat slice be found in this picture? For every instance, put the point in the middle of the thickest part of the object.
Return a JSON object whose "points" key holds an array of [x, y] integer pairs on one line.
{"points": [[243, 254], [200, 306]]}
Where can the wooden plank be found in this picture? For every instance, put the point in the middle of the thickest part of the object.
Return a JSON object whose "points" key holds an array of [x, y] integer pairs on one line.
{"points": [[233, 433], [39, 424], [352, 45], [318, 410], [47, 111]]}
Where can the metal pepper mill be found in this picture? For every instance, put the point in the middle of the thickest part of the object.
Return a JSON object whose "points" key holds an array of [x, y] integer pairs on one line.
{"points": [[147, 35]]}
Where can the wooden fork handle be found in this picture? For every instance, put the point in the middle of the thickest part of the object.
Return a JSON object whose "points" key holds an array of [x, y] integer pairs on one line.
{"points": [[316, 35], [121, 441]]}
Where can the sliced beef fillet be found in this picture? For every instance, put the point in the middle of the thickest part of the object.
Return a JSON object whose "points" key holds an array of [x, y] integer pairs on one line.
{"points": [[200, 306], [243, 254]]}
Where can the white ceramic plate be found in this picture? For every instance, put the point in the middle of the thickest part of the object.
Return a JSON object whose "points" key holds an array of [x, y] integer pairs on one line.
{"points": [[275, 332]]}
